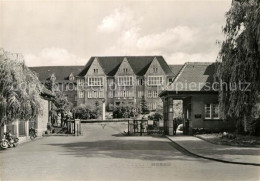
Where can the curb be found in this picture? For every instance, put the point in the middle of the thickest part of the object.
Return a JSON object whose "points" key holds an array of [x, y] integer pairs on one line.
{"points": [[210, 158], [105, 121], [67, 135]]}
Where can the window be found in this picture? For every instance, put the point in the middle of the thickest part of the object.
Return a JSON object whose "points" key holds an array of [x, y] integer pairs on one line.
{"points": [[207, 111], [81, 94], [101, 94], [124, 94], [81, 82], [125, 81], [69, 87], [149, 94], [215, 111], [152, 106], [53, 78], [155, 94], [95, 81], [154, 80], [95, 94], [125, 70], [140, 81], [71, 77], [152, 94], [155, 69], [95, 70], [211, 111], [140, 94], [110, 82], [110, 94]]}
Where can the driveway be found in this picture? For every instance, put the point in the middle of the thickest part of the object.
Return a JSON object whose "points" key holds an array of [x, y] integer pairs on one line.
{"points": [[103, 154]]}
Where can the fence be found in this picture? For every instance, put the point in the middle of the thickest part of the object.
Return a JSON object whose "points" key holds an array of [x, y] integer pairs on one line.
{"points": [[12, 128], [22, 128], [74, 127], [145, 127]]}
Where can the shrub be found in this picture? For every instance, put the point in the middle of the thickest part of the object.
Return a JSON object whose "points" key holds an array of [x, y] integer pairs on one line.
{"points": [[125, 111], [85, 112], [156, 116]]}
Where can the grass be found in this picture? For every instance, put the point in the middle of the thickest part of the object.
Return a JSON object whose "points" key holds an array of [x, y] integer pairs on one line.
{"points": [[239, 140]]}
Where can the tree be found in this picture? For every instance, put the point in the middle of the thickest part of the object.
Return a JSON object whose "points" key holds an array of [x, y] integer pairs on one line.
{"points": [[61, 102], [240, 62], [143, 106], [19, 89]]}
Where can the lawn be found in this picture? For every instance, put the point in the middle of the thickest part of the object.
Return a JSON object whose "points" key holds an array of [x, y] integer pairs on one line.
{"points": [[236, 140]]}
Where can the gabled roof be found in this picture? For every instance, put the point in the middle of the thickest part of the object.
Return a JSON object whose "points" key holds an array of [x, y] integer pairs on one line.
{"points": [[139, 64], [175, 69], [195, 76], [61, 72]]}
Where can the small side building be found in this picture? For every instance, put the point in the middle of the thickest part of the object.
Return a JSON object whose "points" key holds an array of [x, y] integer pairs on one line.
{"points": [[196, 87], [20, 128]]}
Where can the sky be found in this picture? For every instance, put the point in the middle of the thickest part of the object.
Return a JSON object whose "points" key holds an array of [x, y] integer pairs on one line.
{"points": [[69, 32]]}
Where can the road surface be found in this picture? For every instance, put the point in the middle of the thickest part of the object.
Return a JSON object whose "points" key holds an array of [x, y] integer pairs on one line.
{"points": [[103, 154]]}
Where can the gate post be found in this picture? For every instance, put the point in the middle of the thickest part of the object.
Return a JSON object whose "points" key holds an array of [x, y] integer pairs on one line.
{"points": [[170, 117], [17, 128], [27, 128]]}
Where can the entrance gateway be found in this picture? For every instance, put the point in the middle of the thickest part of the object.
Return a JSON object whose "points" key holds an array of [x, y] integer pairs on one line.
{"points": [[195, 86]]}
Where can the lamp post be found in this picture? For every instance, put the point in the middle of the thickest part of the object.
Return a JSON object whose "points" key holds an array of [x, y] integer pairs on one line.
{"points": [[103, 109]]}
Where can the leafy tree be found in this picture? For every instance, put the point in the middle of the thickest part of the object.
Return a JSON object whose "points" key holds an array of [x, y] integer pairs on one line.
{"points": [[49, 84], [19, 89], [61, 102], [240, 62], [143, 106], [98, 109]]}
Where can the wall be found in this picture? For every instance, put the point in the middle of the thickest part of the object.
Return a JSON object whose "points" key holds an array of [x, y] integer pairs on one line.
{"points": [[197, 107], [133, 89], [130, 89], [42, 121], [150, 72], [43, 118]]}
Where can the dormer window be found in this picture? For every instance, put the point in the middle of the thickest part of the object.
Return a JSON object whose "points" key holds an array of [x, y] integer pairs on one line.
{"points": [[140, 81], [95, 70], [125, 70], [71, 77], [53, 78]]}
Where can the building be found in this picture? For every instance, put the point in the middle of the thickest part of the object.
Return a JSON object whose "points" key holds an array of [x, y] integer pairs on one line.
{"points": [[20, 128], [123, 80], [196, 87], [61, 77]]}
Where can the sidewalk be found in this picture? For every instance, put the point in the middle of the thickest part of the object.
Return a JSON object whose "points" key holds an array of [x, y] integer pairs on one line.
{"points": [[231, 154]]}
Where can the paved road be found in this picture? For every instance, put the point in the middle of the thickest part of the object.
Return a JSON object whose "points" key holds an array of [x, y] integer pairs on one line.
{"points": [[102, 154]]}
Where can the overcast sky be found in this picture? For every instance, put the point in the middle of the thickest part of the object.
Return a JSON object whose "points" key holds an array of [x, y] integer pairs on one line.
{"points": [[70, 32]]}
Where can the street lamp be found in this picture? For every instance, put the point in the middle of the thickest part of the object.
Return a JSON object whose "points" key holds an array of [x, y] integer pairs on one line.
{"points": [[103, 109]]}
